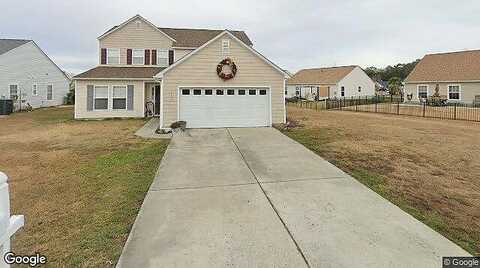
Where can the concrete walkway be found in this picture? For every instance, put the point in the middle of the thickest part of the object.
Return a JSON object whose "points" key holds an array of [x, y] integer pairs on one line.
{"points": [[148, 130], [255, 198]]}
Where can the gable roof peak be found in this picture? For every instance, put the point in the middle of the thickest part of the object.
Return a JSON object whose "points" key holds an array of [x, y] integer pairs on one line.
{"points": [[9, 44]]}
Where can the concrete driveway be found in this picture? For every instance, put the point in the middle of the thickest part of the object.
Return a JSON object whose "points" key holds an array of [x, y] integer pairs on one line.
{"points": [[255, 198]]}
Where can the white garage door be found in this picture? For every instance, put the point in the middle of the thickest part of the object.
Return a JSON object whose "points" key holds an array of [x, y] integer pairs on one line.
{"points": [[224, 107]]}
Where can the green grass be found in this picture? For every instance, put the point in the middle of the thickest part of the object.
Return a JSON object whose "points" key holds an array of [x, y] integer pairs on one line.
{"points": [[320, 141]]}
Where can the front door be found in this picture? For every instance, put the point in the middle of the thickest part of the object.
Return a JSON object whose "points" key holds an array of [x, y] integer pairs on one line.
{"points": [[157, 100]]}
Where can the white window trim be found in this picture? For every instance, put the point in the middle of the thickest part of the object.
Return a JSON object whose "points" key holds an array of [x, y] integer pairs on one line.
{"points": [[108, 98], [418, 90], [459, 92], [118, 50], [143, 56], [158, 53], [225, 49], [36, 89], [10, 92], [46, 94], [113, 97]]}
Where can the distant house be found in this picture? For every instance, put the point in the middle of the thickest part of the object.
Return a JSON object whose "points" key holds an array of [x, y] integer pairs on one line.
{"points": [[332, 82], [29, 76], [381, 87], [453, 76]]}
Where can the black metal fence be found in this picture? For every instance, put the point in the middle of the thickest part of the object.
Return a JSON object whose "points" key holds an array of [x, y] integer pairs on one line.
{"points": [[453, 111], [395, 105]]}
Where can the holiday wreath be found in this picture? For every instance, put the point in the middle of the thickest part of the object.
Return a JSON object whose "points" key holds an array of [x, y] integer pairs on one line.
{"points": [[226, 69]]}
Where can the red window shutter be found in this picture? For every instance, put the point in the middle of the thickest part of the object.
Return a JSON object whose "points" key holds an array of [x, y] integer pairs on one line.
{"points": [[147, 56], [154, 57], [129, 56], [103, 56], [170, 57]]}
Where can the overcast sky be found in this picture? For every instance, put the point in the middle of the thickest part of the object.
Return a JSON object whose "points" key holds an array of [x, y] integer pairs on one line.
{"points": [[293, 34]]}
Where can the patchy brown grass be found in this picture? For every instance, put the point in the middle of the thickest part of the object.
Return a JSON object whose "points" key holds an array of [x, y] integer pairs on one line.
{"points": [[430, 168], [78, 183]]}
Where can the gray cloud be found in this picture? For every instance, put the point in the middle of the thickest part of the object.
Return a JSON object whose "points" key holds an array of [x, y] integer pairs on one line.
{"points": [[295, 35]]}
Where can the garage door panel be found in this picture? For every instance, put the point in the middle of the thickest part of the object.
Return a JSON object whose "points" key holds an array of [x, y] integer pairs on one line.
{"points": [[210, 111]]}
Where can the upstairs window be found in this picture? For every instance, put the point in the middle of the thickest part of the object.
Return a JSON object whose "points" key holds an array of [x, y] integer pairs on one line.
{"points": [[13, 92], [454, 92], [422, 91], [225, 46], [113, 56], [49, 92], [342, 91], [138, 56], [162, 57], [359, 89]]}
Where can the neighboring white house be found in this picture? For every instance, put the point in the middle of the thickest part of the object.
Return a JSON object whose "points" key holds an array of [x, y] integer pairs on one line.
{"points": [[332, 82], [28, 75]]}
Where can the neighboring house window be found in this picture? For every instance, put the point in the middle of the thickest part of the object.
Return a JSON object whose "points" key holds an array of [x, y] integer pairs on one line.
{"points": [[297, 91], [422, 91], [49, 92], [454, 92], [138, 56], [101, 98], [113, 56], [162, 57], [342, 91], [359, 89], [225, 46], [34, 90], [13, 92], [119, 97]]}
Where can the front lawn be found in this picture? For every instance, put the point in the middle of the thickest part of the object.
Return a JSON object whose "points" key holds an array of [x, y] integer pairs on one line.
{"points": [[429, 168], [79, 184]]}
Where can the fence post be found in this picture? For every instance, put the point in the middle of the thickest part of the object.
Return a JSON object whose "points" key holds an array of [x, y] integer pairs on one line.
{"points": [[398, 107], [455, 112], [376, 100], [8, 224], [424, 107]]}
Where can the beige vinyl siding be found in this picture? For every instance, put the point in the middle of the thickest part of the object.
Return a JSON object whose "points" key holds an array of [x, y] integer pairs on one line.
{"points": [[145, 37], [81, 99], [200, 70], [468, 91], [180, 53]]}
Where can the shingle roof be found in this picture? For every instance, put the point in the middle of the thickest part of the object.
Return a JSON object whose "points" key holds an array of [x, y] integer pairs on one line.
{"points": [[120, 72], [9, 44], [198, 37], [453, 66], [327, 76]]}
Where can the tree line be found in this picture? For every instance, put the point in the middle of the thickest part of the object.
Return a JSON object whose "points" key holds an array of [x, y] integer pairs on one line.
{"points": [[400, 70], [394, 75]]}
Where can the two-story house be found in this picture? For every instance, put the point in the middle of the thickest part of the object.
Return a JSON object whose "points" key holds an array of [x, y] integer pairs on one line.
{"points": [[29, 77], [208, 78]]}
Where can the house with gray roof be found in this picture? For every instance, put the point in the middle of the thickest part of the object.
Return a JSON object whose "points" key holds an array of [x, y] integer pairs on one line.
{"points": [[29, 77]]}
